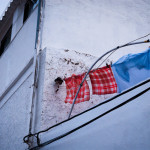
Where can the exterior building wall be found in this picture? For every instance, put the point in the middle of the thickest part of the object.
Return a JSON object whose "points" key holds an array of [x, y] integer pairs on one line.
{"points": [[17, 67], [125, 128], [64, 63], [18, 53], [88, 27], [17, 19], [73, 34], [15, 114], [5, 28], [95, 26]]}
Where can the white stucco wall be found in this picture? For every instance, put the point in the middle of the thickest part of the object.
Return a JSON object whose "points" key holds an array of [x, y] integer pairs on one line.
{"points": [[18, 53], [90, 27], [126, 127], [15, 114], [64, 63], [17, 20], [17, 66], [95, 26]]}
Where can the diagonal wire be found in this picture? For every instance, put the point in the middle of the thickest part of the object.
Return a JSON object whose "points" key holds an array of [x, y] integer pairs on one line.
{"points": [[117, 49], [30, 135], [94, 119], [139, 38]]}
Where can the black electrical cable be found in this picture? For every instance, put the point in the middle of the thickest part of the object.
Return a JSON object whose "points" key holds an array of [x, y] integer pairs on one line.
{"points": [[25, 139], [109, 100], [83, 125], [114, 49], [118, 48]]}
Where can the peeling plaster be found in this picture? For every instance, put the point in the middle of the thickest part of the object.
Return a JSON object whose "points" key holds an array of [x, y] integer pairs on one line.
{"points": [[64, 63]]}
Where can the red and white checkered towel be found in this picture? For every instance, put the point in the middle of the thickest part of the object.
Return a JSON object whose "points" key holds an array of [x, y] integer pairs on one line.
{"points": [[72, 85], [103, 81]]}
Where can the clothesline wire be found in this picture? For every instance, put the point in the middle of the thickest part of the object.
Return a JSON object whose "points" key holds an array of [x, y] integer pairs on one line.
{"points": [[116, 50], [116, 96], [139, 38], [106, 58], [37, 134], [99, 65], [92, 120]]}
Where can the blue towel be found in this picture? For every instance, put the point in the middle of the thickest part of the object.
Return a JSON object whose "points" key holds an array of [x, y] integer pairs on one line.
{"points": [[131, 69]]}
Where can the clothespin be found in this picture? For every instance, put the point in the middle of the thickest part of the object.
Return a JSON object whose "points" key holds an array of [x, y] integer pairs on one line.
{"points": [[107, 65]]}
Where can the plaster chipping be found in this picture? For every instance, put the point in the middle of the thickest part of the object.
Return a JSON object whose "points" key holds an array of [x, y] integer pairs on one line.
{"points": [[64, 63]]}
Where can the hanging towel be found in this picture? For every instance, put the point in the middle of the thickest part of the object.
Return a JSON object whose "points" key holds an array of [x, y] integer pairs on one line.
{"points": [[131, 69], [103, 81], [72, 85]]}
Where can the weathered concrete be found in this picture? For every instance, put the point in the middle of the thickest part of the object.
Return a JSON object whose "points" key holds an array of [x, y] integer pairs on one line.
{"points": [[63, 63], [91, 27]]}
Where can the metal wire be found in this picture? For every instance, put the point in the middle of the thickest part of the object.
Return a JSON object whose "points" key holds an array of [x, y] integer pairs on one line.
{"points": [[116, 50], [94, 119], [140, 38], [25, 139], [128, 44]]}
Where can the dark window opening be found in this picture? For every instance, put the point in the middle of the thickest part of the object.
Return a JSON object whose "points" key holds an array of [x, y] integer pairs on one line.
{"points": [[5, 41], [28, 9]]}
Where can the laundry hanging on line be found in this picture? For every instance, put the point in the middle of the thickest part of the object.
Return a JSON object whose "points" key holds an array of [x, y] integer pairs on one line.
{"points": [[131, 69], [103, 81], [123, 74], [72, 85]]}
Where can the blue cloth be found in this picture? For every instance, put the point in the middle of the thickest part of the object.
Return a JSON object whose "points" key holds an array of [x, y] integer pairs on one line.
{"points": [[131, 69]]}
